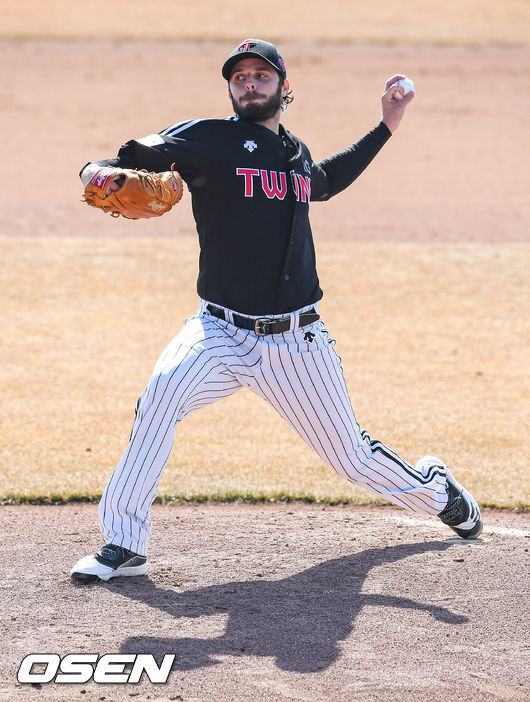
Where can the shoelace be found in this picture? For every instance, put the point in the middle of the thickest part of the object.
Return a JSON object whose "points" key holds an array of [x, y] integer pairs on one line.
{"points": [[156, 186]]}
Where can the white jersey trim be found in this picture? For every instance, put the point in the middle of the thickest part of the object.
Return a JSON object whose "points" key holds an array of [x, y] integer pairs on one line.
{"points": [[180, 127], [151, 140]]}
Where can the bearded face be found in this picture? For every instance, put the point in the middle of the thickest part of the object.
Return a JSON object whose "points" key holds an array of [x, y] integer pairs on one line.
{"points": [[257, 107]]}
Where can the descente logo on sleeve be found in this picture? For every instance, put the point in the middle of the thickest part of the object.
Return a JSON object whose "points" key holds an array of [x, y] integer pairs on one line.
{"points": [[274, 183]]}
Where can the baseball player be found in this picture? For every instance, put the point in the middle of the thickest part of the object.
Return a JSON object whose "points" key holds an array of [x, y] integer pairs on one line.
{"points": [[258, 325]]}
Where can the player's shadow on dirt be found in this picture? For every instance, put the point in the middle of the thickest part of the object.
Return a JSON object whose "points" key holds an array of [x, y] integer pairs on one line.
{"points": [[298, 620]]}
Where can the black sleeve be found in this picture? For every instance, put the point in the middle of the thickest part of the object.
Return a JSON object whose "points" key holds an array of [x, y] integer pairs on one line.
{"points": [[124, 159], [158, 152], [334, 174]]}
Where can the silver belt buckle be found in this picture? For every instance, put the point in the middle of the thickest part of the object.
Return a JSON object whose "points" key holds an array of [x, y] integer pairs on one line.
{"points": [[258, 325], [264, 320]]}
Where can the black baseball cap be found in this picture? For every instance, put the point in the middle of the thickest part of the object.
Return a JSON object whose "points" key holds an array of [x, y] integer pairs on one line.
{"points": [[256, 48]]}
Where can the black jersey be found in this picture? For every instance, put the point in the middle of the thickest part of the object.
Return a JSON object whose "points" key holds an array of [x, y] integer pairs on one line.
{"points": [[250, 191]]}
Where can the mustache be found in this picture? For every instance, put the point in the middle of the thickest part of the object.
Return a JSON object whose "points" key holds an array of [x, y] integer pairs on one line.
{"points": [[251, 96]]}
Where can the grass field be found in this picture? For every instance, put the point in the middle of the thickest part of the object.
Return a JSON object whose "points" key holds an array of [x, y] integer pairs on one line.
{"points": [[435, 359]]}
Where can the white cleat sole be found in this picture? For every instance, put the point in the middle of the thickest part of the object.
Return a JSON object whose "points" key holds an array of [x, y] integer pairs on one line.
{"points": [[89, 569]]}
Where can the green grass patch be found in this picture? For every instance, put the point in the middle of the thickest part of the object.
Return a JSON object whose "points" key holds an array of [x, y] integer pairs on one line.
{"points": [[230, 498]]}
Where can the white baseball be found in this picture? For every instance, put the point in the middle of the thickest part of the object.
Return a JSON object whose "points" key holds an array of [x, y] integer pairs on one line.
{"points": [[407, 86]]}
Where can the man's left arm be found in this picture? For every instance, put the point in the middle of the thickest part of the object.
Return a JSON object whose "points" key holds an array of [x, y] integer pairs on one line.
{"points": [[334, 174]]}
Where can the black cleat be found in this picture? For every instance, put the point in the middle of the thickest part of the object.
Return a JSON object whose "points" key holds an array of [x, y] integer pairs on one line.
{"points": [[462, 512]]}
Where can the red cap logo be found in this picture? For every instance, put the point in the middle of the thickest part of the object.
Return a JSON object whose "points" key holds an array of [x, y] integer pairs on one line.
{"points": [[246, 46]]}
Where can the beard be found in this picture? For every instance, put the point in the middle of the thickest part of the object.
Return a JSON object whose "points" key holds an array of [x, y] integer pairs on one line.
{"points": [[258, 112]]}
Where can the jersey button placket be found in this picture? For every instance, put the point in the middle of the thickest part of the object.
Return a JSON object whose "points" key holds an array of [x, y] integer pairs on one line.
{"points": [[291, 244]]}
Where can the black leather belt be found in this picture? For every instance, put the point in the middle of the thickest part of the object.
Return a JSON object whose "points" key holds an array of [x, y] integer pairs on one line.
{"points": [[262, 326]]}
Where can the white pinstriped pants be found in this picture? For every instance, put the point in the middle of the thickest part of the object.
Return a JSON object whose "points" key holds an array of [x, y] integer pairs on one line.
{"points": [[301, 378]]}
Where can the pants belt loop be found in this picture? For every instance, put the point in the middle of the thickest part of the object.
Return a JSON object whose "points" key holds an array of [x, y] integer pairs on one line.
{"points": [[295, 321], [229, 317]]}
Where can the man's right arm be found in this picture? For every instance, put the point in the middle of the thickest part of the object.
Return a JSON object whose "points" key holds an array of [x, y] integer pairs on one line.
{"points": [[337, 172]]}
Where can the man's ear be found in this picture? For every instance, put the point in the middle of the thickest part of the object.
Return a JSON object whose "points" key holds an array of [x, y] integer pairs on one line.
{"points": [[285, 88]]}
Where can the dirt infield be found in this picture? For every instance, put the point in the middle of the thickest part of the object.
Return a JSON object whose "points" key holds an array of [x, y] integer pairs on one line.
{"points": [[277, 602]]}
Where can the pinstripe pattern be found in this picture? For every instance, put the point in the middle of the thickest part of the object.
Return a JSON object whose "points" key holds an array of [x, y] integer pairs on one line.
{"points": [[302, 380]]}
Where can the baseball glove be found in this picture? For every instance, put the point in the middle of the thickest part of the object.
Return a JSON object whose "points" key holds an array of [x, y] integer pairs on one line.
{"points": [[133, 194]]}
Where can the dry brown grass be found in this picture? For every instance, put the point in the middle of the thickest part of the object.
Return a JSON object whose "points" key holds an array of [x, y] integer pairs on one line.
{"points": [[477, 22], [434, 345]]}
